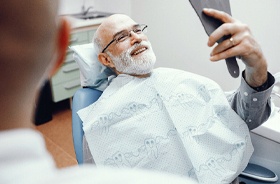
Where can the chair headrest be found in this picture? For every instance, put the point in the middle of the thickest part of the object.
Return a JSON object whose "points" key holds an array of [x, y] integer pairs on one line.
{"points": [[92, 73]]}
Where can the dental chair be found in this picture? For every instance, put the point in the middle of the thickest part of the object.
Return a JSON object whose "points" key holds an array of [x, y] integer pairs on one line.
{"points": [[93, 78], [82, 98], [253, 174]]}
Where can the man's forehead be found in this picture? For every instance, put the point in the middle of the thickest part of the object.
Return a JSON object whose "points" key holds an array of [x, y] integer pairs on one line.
{"points": [[116, 23]]}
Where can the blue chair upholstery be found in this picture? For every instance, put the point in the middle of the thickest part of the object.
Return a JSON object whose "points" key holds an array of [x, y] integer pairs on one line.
{"points": [[82, 98]]}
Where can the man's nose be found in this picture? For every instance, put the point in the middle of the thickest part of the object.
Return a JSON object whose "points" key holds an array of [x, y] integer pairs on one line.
{"points": [[135, 38]]}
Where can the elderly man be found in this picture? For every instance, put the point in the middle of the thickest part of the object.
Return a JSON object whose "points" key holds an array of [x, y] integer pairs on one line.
{"points": [[171, 120], [33, 44]]}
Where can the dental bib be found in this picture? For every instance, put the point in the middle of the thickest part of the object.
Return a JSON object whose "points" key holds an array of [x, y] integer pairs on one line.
{"points": [[172, 121]]}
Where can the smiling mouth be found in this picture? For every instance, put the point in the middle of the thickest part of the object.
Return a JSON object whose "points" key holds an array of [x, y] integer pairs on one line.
{"points": [[138, 51]]}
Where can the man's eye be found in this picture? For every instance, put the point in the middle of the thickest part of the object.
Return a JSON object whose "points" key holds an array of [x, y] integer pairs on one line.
{"points": [[137, 31], [122, 38]]}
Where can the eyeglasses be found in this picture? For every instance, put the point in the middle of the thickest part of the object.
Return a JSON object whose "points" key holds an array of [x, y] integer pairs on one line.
{"points": [[125, 34]]}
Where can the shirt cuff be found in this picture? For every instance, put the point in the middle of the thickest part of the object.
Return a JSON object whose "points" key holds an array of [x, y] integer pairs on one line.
{"points": [[254, 98]]}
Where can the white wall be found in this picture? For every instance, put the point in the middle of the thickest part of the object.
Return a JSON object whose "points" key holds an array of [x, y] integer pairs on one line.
{"points": [[179, 40], [73, 6], [114, 6]]}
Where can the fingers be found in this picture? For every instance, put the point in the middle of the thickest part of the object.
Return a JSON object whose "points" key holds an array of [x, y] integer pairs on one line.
{"points": [[228, 28], [241, 41], [231, 52], [223, 30], [226, 44], [237, 31], [224, 17]]}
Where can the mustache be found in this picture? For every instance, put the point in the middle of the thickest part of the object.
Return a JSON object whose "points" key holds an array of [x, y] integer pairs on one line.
{"points": [[141, 44]]}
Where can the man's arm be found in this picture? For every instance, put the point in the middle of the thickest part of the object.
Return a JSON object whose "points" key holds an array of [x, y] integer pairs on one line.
{"points": [[252, 104]]}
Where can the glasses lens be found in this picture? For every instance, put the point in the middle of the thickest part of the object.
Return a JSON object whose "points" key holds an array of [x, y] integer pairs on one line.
{"points": [[139, 29], [122, 37]]}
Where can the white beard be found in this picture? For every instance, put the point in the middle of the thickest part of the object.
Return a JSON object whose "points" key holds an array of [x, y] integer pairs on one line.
{"points": [[135, 66]]}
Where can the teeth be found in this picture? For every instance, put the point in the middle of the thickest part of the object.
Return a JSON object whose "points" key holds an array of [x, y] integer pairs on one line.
{"points": [[138, 51]]}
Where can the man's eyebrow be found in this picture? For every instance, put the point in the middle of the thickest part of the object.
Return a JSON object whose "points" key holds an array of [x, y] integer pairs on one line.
{"points": [[120, 32]]}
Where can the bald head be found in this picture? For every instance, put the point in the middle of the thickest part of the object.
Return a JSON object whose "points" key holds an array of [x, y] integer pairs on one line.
{"points": [[25, 28], [26, 36], [109, 26], [28, 40]]}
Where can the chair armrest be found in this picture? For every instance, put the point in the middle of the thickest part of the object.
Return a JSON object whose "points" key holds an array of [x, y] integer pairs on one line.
{"points": [[81, 99], [259, 173]]}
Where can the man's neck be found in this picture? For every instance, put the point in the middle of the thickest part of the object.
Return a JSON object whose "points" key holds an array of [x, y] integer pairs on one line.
{"points": [[141, 76], [135, 75]]}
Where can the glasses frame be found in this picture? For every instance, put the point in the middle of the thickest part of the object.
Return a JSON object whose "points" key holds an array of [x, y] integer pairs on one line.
{"points": [[143, 27]]}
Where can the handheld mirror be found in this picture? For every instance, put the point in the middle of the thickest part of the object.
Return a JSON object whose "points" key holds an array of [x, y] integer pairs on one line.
{"points": [[210, 24]]}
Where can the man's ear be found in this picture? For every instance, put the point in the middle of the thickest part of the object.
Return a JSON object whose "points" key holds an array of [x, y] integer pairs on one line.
{"points": [[62, 42], [105, 60]]}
